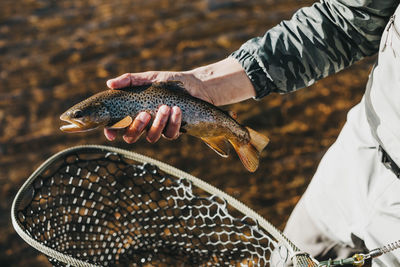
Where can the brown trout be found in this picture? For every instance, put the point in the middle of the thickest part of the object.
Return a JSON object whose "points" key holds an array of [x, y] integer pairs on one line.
{"points": [[116, 109]]}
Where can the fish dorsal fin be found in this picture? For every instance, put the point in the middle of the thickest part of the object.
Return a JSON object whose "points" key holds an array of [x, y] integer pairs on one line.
{"points": [[135, 88], [172, 85], [219, 144], [125, 122]]}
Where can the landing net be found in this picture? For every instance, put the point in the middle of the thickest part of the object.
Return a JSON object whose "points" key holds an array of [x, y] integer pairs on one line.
{"points": [[102, 206]]}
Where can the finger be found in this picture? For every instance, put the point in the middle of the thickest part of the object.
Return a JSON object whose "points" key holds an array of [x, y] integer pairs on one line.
{"points": [[159, 123], [134, 131], [132, 79], [110, 134], [174, 124]]}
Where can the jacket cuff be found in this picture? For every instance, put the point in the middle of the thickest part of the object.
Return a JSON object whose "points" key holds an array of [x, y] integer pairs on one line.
{"points": [[259, 78]]}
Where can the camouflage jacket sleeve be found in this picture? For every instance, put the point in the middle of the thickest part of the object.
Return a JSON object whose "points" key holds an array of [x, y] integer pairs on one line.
{"points": [[317, 41]]}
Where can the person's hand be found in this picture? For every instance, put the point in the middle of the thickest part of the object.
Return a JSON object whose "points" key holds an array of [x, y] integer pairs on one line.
{"points": [[221, 83]]}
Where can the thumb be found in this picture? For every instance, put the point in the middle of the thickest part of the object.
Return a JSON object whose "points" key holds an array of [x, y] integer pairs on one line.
{"points": [[119, 82], [133, 79]]}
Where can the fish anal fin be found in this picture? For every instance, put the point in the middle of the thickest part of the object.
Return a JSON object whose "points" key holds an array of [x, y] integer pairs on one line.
{"points": [[125, 122], [219, 144], [247, 153], [259, 141]]}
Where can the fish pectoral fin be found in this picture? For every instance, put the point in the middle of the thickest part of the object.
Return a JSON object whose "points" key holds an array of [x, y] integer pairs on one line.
{"points": [[219, 144], [125, 122]]}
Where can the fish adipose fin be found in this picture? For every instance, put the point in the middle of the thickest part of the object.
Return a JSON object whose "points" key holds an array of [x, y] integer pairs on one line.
{"points": [[218, 144], [249, 153], [233, 114], [125, 122]]}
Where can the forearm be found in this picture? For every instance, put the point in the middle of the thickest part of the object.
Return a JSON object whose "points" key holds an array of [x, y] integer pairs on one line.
{"points": [[317, 41], [225, 81]]}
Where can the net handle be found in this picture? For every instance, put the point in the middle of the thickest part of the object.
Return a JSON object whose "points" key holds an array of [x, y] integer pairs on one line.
{"points": [[274, 232]]}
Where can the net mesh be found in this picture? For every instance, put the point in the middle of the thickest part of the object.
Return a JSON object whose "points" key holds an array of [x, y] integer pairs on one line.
{"points": [[98, 207]]}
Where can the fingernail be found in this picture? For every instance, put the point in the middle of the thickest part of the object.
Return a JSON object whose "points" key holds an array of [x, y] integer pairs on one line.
{"points": [[143, 117], [164, 110], [110, 135], [109, 83], [175, 114], [128, 139]]}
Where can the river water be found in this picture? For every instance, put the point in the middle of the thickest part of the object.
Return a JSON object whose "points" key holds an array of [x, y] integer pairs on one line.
{"points": [[56, 53]]}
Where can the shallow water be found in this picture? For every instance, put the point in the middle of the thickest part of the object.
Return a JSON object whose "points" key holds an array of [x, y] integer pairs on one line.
{"points": [[55, 53]]}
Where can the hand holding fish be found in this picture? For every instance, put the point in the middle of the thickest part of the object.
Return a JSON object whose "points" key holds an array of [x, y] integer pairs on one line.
{"points": [[138, 97], [221, 83], [167, 120]]}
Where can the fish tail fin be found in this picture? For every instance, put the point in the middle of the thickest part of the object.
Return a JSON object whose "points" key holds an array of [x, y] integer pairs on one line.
{"points": [[249, 153]]}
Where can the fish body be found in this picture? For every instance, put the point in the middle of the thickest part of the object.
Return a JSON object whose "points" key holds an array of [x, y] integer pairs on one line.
{"points": [[116, 109]]}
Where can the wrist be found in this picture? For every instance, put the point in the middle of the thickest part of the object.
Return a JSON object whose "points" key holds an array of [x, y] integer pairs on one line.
{"points": [[226, 80]]}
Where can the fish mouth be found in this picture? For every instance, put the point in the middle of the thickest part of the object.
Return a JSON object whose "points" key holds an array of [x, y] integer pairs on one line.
{"points": [[75, 125]]}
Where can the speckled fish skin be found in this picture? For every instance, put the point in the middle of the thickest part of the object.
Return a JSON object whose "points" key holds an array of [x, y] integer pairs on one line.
{"points": [[199, 118]]}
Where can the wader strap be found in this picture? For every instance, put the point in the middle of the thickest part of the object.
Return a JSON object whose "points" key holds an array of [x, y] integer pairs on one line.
{"points": [[389, 163]]}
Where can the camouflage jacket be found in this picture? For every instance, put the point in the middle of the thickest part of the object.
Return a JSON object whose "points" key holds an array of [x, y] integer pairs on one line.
{"points": [[317, 41]]}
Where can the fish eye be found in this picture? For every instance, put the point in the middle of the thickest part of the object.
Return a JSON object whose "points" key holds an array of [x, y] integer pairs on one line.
{"points": [[77, 114]]}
